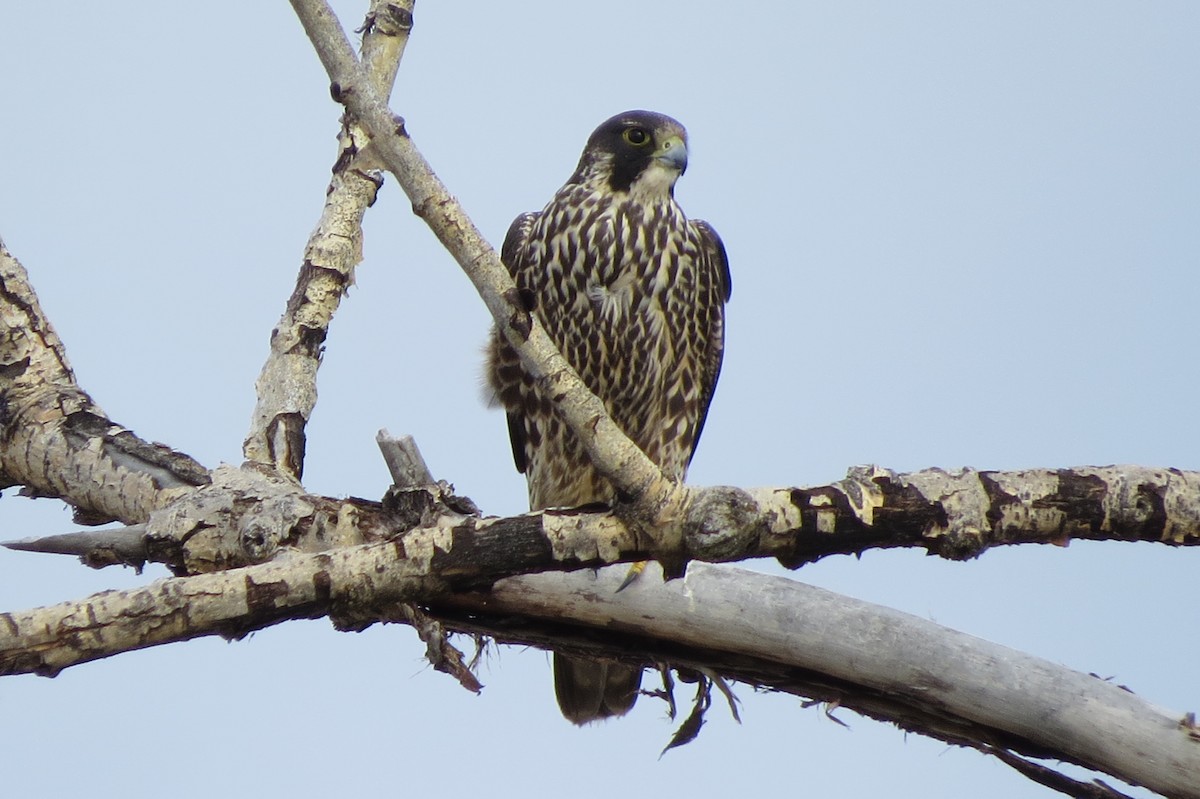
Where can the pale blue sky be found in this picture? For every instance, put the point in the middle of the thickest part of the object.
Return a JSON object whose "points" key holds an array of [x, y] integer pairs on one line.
{"points": [[960, 233]]}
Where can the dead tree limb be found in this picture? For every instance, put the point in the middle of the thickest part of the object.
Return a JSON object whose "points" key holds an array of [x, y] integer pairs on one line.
{"points": [[654, 500], [287, 386], [767, 630], [246, 518], [55, 441], [1004, 696], [260, 550]]}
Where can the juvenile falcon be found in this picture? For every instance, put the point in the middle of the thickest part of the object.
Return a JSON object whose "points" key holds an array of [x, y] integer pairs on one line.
{"points": [[633, 293]]}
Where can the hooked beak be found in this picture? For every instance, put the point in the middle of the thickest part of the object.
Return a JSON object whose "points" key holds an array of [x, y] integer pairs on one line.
{"points": [[672, 153]]}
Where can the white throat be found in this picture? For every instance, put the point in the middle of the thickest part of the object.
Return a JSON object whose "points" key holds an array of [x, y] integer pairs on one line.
{"points": [[654, 184]]}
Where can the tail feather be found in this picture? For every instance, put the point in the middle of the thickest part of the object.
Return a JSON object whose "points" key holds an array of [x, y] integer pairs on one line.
{"points": [[590, 690]]}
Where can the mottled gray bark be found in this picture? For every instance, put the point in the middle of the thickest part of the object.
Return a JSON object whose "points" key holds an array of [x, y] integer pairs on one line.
{"points": [[287, 385]]}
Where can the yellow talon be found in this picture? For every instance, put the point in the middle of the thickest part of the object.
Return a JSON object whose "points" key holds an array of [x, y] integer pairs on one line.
{"points": [[634, 571]]}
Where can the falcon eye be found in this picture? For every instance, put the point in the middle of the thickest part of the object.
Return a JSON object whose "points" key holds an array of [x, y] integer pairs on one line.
{"points": [[638, 137]]}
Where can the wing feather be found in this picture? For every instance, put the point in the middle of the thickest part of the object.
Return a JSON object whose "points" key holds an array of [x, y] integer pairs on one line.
{"points": [[716, 266], [503, 362]]}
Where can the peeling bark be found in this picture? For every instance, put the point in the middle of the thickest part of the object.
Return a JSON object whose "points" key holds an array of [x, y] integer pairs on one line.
{"points": [[430, 542], [55, 441], [958, 515], [654, 501], [919, 675], [287, 386], [245, 518]]}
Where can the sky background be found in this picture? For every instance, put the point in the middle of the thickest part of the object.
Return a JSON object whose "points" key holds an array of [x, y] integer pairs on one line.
{"points": [[961, 234]]}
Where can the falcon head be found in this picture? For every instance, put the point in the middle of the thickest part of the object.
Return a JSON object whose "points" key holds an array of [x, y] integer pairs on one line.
{"points": [[639, 152]]}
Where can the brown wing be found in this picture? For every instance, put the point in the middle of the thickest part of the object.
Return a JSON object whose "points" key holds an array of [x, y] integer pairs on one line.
{"points": [[720, 285], [504, 373]]}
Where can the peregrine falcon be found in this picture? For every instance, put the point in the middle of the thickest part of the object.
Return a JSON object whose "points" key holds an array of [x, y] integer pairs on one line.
{"points": [[633, 293]]}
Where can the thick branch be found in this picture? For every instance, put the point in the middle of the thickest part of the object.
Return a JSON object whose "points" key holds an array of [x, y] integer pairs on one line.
{"points": [[229, 603], [771, 630], [246, 518], [449, 553], [287, 386], [427, 537], [1015, 700], [55, 441], [958, 515]]}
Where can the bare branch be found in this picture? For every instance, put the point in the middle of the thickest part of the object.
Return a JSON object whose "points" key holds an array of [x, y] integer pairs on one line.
{"points": [[405, 463], [958, 515], [409, 471], [955, 514], [55, 441], [118, 546], [440, 653], [445, 549], [892, 659], [1055, 780], [229, 603], [653, 499], [287, 386], [355, 560], [1094, 723], [245, 518]]}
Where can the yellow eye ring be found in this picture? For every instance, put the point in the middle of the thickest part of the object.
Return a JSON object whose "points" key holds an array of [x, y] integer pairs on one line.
{"points": [[638, 137]]}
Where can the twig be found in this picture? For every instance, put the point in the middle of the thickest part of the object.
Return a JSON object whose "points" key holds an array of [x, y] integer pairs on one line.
{"points": [[118, 546], [405, 463], [1055, 780], [441, 654], [409, 473]]}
